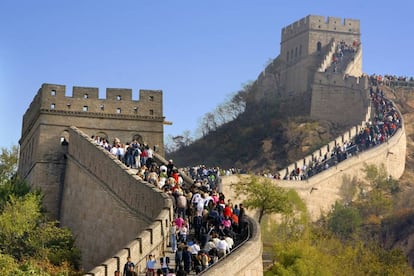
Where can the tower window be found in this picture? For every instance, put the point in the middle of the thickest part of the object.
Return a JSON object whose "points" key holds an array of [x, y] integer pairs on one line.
{"points": [[118, 97], [53, 92], [151, 98], [85, 96], [319, 46], [85, 108], [102, 107], [151, 112], [52, 106], [118, 110], [135, 109]]}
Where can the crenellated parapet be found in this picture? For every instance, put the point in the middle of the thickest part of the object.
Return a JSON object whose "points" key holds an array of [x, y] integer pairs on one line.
{"points": [[321, 23], [347, 82], [85, 102]]}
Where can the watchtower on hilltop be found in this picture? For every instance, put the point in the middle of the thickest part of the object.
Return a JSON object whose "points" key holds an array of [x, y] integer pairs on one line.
{"points": [[304, 43], [44, 132], [307, 50]]}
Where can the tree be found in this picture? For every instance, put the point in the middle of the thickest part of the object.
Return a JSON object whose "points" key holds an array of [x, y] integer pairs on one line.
{"points": [[379, 179], [328, 255], [264, 195], [344, 221], [17, 221], [229, 110], [29, 244], [174, 143], [378, 200], [8, 163], [10, 184]]}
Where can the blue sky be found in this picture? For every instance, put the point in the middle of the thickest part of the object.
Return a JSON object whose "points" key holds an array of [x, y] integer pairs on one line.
{"points": [[197, 52]]}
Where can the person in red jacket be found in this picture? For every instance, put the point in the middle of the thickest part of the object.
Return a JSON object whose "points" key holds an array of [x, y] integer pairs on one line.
{"points": [[227, 212]]}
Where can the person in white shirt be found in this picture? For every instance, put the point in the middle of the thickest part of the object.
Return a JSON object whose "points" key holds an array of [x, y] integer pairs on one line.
{"points": [[195, 248], [164, 260], [209, 245], [222, 247], [229, 241]]}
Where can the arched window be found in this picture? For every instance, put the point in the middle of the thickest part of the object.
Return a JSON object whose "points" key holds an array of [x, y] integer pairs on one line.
{"points": [[138, 138], [102, 135], [319, 46], [64, 138]]}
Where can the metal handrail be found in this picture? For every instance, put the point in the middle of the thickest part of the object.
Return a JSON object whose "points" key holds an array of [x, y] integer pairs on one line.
{"points": [[246, 235]]}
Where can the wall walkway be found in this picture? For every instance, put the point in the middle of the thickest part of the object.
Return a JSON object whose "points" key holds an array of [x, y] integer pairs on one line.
{"points": [[322, 190], [114, 214]]}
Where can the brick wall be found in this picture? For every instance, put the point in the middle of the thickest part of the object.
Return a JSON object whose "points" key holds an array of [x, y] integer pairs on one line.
{"points": [[107, 207], [328, 183], [245, 261]]}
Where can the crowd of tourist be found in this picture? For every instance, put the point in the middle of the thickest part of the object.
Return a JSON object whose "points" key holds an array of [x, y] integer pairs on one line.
{"points": [[206, 226], [132, 154], [376, 131], [391, 80], [343, 52]]}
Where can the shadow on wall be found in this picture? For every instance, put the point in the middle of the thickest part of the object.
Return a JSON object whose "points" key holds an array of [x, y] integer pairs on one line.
{"points": [[140, 213]]}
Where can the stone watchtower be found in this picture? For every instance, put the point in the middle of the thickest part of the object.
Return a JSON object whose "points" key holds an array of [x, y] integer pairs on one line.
{"points": [[44, 139], [306, 50], [304, 44]]}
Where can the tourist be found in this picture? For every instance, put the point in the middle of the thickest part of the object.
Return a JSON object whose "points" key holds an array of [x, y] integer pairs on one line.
{"points": [[150, 268], [127, 267]]}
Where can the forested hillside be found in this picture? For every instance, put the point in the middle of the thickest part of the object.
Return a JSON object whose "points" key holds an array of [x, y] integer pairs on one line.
{"points": [[260, 139], [30, 244]]}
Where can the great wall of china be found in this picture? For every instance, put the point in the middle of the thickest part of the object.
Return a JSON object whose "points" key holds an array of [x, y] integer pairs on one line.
{"points": [[113, 214]]}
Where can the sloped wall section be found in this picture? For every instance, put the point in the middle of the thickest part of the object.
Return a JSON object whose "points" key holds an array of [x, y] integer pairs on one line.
{"points": [[322, 190], [247, 260], [107, 208], [113, 215]]}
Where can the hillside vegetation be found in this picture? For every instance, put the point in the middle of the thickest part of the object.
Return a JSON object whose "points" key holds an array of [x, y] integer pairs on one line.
{"points": [[260, 139], [30, 244]]}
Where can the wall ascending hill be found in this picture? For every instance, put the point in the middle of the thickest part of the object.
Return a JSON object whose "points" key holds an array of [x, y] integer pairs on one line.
{"points": [[322, 190], [114, 215], [106, 206]]}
